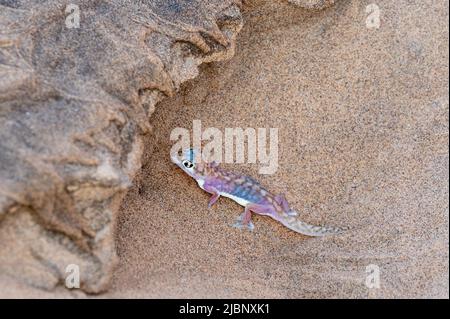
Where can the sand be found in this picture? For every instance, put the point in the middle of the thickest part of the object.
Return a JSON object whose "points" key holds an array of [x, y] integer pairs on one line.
{"points": [[362, 116]]}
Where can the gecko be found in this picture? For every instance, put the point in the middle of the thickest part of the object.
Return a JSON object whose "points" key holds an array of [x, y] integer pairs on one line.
{"points": [[248, 193]]}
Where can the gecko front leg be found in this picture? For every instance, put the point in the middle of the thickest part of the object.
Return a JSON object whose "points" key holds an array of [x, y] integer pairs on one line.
{"points": [[215, 194]]}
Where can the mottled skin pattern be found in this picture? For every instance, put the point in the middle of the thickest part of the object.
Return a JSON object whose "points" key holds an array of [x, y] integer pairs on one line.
{"points": [[247, 192]]}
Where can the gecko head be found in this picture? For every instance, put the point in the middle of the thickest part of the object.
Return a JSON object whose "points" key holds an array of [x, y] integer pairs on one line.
{"points": [[187, 162]]}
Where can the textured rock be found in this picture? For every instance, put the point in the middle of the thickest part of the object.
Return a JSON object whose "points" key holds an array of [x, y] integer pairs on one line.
{"points": [[74, 106]]}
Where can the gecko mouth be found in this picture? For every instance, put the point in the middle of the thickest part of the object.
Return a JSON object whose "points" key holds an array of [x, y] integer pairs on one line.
{"points": [[174, 158]]}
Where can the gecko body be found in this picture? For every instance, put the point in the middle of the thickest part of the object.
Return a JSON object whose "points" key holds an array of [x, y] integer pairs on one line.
{"points": [[248, 193]]}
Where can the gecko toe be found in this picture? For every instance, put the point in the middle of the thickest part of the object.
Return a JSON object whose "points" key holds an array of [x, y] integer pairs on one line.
{"points": [[238, 225], [292, 213]]}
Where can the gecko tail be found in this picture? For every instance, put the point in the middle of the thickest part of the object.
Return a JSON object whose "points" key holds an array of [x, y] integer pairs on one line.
{"points": [[298, 226]]}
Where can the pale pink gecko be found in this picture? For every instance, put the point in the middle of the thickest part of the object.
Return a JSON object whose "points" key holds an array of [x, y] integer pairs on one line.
{"points": [[247, 192]]}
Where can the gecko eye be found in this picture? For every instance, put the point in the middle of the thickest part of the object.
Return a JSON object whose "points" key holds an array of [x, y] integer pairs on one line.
{"points": [[188, 164]]}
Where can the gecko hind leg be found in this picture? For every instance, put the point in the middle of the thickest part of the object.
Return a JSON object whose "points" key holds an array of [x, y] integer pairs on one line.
{"points": [[245, 219], [285, 205]]}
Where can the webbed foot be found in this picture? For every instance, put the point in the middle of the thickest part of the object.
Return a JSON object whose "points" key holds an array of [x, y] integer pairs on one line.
{"points": [[240, 224]]}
